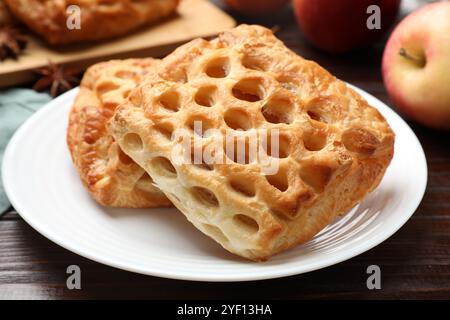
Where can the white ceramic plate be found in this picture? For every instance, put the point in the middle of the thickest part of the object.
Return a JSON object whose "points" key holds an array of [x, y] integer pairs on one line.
{"points": [[44, 188]]}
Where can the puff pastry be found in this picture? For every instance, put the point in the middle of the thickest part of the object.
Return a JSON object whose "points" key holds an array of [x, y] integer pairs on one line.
{"points": [[111, 177], [333, 147], [99, 19]]}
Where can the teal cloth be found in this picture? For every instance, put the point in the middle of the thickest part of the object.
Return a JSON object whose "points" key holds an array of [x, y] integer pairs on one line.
{"points": [[16, 105]]}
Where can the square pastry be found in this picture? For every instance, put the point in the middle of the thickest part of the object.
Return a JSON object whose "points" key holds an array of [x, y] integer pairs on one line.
{"points": [[64, 21], [111, 177], [259, 148]]}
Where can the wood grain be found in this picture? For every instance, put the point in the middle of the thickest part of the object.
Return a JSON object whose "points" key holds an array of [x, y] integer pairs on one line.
{"points": [[415, 262]]}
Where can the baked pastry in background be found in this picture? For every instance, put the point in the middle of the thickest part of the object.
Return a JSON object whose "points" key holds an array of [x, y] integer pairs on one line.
{"points": [[110, 176], [99, 19], [6, 18], [333, 147]]}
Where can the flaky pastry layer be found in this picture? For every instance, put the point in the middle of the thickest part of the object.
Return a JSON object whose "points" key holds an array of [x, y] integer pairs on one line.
{"points": [[334, 147], [111, 177], [99, 19]]}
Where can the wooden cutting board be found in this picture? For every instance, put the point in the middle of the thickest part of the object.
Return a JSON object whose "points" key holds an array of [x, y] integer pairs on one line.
{"points": [[195, 18]]}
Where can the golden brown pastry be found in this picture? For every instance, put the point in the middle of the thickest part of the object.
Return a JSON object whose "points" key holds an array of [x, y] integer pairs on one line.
{"points": [[111, 177], [100, 19], [333, 147]]}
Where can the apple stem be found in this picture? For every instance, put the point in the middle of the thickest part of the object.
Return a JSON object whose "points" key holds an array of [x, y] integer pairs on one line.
{"points": [[275, 28], [418, 60]]}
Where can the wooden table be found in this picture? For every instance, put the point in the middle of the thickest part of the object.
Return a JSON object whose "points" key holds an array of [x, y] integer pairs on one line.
{"points": [[415, 262]]}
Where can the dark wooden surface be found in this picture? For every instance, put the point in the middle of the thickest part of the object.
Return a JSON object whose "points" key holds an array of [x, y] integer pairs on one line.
{"points": [[415, 262]]}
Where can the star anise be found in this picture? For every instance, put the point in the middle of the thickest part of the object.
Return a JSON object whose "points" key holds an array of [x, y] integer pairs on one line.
{"points": [[12, 42], [56, 78]]}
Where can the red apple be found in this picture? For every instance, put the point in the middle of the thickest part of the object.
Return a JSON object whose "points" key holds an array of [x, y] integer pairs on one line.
{"points": [[341, 25], [416, 65], [256, 7]]}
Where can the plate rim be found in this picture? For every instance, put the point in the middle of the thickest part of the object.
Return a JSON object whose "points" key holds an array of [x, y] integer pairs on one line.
{"points": [[183, 275]]}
